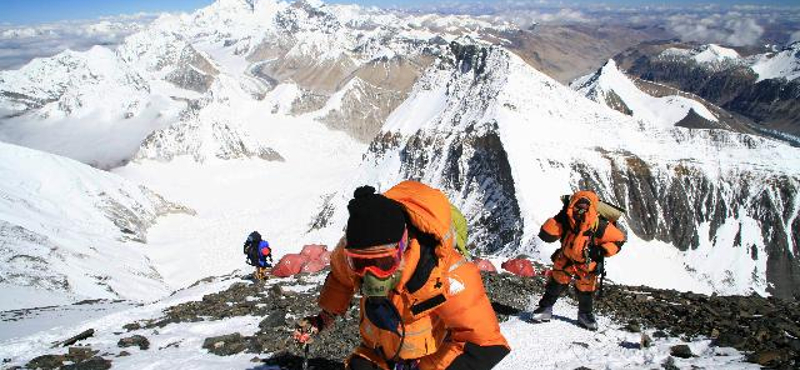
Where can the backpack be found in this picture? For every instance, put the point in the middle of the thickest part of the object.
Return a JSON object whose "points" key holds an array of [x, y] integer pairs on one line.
{"points": [[251, 250], [461, 230], [606, 211]]}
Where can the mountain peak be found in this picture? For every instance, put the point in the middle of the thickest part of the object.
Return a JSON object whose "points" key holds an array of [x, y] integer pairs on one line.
{"points": [[712, 53], [234, 4]]}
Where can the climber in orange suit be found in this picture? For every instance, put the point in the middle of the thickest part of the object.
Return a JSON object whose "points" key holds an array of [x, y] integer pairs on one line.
{"points": [[423, 305], [586, 239]]}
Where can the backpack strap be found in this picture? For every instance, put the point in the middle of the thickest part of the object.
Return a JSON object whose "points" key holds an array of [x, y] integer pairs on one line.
{"points": [[428, 259]]}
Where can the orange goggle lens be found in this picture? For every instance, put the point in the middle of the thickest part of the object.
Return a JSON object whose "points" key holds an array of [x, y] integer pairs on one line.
{"points": [[382, 264]]}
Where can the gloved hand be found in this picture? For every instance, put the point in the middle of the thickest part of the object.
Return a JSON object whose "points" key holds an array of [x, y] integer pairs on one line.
{"points": [[596, 253], [309, 326]]}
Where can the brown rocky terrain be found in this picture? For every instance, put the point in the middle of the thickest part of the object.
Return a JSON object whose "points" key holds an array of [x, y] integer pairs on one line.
{"points": [[767, 329]]}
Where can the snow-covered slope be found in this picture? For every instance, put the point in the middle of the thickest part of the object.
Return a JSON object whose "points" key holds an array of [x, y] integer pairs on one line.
{"points": [[705, 54], [612, 87], [71, 232], [771, 65], [504, 141], [157, 87], [783, 64], [59, 104]]}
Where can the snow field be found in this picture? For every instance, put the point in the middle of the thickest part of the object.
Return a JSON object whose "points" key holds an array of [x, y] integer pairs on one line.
{"points": [[233, 198]]}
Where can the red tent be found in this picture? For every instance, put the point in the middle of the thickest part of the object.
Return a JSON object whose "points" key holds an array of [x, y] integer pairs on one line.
{"points": [[325, 257], [313, 266], [313, 251], [289, 265], [484, 265], [519, 266]]}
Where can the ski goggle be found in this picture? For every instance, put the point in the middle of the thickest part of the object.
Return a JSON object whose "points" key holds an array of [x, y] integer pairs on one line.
{"points": [[382, 261]]}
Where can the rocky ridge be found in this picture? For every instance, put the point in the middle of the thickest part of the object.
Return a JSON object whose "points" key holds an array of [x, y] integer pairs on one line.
{"points": [[764, 328]]}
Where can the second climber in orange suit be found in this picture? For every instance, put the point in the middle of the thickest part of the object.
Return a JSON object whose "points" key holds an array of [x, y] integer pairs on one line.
{"points": [[423, 305], [585, 240]]}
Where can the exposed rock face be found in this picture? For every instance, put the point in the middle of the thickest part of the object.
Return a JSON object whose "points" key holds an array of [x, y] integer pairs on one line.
{"points": [[134, 219], [469, 165], [192, 71], [363, 109]]}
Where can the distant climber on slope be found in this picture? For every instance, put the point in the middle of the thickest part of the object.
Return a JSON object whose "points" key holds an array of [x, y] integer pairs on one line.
{"points": [[586, 239], [423, 305], [259, 254]]}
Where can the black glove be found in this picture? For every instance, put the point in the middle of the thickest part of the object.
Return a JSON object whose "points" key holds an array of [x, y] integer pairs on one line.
{"points": [[596, 253]]}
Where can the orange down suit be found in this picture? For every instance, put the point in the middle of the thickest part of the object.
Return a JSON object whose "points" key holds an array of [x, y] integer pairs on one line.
{"points": [[447, 314], [571, 259]]}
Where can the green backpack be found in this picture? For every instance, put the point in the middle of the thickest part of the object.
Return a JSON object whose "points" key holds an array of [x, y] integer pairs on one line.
{"points": [[461, 231]]}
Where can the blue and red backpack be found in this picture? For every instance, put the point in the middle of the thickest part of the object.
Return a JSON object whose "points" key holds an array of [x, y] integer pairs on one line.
{"points": [[257, 251]]}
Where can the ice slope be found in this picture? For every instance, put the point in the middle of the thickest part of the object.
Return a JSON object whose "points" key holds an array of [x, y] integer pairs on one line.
{"points": [[71, 232], [558, 344], [665, 111]]}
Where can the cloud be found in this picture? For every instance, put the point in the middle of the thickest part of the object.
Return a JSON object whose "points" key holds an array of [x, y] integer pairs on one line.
{"points": [[794, 37], [735, 25], [20, 44], [731, 28]]}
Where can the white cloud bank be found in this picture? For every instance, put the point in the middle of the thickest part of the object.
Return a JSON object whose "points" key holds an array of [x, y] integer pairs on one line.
{"points": [[732, 28], [20, 44], [794, 37]]}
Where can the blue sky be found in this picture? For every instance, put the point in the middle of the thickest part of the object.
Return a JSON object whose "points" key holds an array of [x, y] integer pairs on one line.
{"points": [[38, 11]]}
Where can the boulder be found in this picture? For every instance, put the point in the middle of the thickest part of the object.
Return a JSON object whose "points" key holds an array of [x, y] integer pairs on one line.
{"points": [[46, 362], [94, 363], [136, 340], [681, 350], [225, 345], [275, 319]]}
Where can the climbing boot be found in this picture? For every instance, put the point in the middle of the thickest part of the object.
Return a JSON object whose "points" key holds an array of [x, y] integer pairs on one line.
{"points": [[542, 314], [586, 319], [585, 308]]}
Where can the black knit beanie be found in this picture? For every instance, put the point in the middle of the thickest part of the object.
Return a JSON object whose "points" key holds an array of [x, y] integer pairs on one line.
{"points": [[374, 219]]}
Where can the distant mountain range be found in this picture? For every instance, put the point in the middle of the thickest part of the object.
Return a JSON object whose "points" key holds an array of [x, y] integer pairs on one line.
{"points": [[454, 101]]}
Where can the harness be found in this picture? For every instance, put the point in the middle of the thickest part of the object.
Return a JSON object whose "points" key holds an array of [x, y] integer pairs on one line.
{"points": [[596, 231]]}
